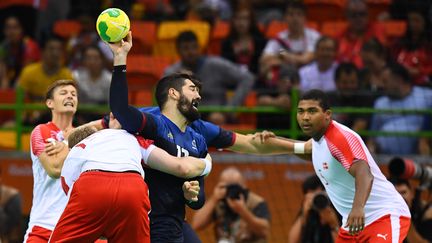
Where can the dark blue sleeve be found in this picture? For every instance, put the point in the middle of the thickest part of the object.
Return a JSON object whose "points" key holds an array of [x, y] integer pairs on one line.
{"points": [[201, 195], [214, 135], [129, 117]]}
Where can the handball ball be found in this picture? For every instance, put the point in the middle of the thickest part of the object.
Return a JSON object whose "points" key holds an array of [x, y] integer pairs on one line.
{"points": [[112, 25]]}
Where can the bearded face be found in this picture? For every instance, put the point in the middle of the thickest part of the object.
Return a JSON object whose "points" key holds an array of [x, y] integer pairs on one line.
{"points": [[189, 108]]}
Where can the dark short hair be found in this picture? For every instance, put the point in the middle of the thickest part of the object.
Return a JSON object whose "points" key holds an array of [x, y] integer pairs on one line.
{"points": [[59, 83], [374, 45], [296, 5], [345, 67], [399, 181], [400, 71], [175, 81], [186, 36], [326, 38], [311, 183], [317, 95], [52, 38], [79, 134]]}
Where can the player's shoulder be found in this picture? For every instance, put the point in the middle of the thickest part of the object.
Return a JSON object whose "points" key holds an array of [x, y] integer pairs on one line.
{"points": [[337, 132], [43, 128]]}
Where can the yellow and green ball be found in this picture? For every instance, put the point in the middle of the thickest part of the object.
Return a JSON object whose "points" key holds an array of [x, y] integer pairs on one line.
{"points": [[112, 25]]}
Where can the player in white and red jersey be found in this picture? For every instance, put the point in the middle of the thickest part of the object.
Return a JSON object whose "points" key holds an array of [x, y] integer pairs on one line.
{"points": [[107, 194], [372, 209], [48, 199]]}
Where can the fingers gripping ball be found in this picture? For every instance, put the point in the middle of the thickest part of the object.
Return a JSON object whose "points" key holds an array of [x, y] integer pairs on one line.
{"points": [[112, 25]]}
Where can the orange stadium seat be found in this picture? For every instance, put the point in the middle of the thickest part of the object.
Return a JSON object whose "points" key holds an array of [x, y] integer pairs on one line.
{"points": [[333, 28], [393, 29], [168, 32], [145, 71], [219, 32], [144, 33], [325, 10], [67, 28], [277, 26]]}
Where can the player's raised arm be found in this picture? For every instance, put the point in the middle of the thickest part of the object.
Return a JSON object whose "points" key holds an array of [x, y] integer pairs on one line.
{"points": [[129, 117]]}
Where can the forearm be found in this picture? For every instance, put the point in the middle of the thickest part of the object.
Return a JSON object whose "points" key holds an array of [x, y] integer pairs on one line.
{"points": [[129, 117], [203, 217], [363, 185], [296, 231], [258, 226]]}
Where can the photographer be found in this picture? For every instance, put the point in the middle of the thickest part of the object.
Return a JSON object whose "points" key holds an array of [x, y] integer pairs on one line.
{"points": [[10, 214], [421, 224], [239, 214], [317, 221]]}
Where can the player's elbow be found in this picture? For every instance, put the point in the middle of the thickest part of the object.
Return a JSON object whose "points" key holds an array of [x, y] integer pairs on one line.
{"points": [[54, 172]]}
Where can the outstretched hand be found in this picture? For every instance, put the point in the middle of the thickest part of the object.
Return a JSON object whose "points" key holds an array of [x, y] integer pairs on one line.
{"points": [[121, 49]]}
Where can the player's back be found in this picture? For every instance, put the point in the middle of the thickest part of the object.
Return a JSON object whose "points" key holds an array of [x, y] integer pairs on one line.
{"points": [[332, 157], [48, 197]]}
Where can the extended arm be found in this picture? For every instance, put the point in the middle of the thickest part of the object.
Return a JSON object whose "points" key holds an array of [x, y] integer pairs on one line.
{"points": [[53, 163], [184, 167], [363, 184]]}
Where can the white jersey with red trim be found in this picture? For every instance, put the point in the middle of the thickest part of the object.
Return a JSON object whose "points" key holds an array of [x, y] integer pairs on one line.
{"points": [[48, 198], [108, 150], [332, 158]]}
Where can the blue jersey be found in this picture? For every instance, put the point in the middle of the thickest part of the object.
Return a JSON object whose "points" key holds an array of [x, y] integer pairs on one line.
{"points": [[166, 194], [214, 136]]}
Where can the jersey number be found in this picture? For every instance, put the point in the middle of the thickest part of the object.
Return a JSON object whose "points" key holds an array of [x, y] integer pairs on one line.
{"points": [[181, 152]]}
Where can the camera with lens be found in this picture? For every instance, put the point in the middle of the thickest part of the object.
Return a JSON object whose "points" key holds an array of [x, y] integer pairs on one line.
{"points": [[320, 201], [233, 191], [408, 169]]}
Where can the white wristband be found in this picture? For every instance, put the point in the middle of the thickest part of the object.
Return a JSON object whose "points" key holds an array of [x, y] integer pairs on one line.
{"points": [[299, 148], [207, 168]]}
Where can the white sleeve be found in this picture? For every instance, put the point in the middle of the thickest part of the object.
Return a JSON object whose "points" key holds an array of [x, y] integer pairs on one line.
{"points": [[145, 152], [272, 48]]}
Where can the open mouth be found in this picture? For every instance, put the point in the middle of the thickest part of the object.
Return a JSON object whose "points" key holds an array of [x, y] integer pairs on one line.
{"points": [[306, 126], [69, 103], [195, 104]]}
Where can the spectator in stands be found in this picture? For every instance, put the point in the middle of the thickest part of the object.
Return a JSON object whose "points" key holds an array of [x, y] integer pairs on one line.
{"points": [[358, 31], [400, 94], [245, 41], [421, 213], [317, 220], [17, 49], [37, 77], [87, 37], [93, 81], [4, 79], [349, 93], [374, 58], [218, 75], [297, 43], [239, 214], [414, 49], [320, 73], [10, 214]]}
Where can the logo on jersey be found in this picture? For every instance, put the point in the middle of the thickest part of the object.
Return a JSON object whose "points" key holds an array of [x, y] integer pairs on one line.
{"points": [[81, 145], [194, 146], [325, 166], [382, 236], [170, 136]]}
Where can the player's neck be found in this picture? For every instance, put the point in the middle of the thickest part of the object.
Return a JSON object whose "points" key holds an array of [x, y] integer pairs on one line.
{"points": [[176, 117], [62, 121]]}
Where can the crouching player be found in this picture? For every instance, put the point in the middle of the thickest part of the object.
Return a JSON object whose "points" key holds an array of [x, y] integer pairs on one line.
{"points": [[108, 197]]}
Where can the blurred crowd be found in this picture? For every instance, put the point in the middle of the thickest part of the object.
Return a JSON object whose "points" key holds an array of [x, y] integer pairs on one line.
{"points": [[360, 64]]}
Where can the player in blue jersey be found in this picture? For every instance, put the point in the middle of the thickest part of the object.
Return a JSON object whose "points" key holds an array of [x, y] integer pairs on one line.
{"points": [[178, 96]]}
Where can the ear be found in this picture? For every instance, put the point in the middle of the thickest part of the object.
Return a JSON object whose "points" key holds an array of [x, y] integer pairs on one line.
{"points": [[328, 114], [174, 94], [49, 103]]}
